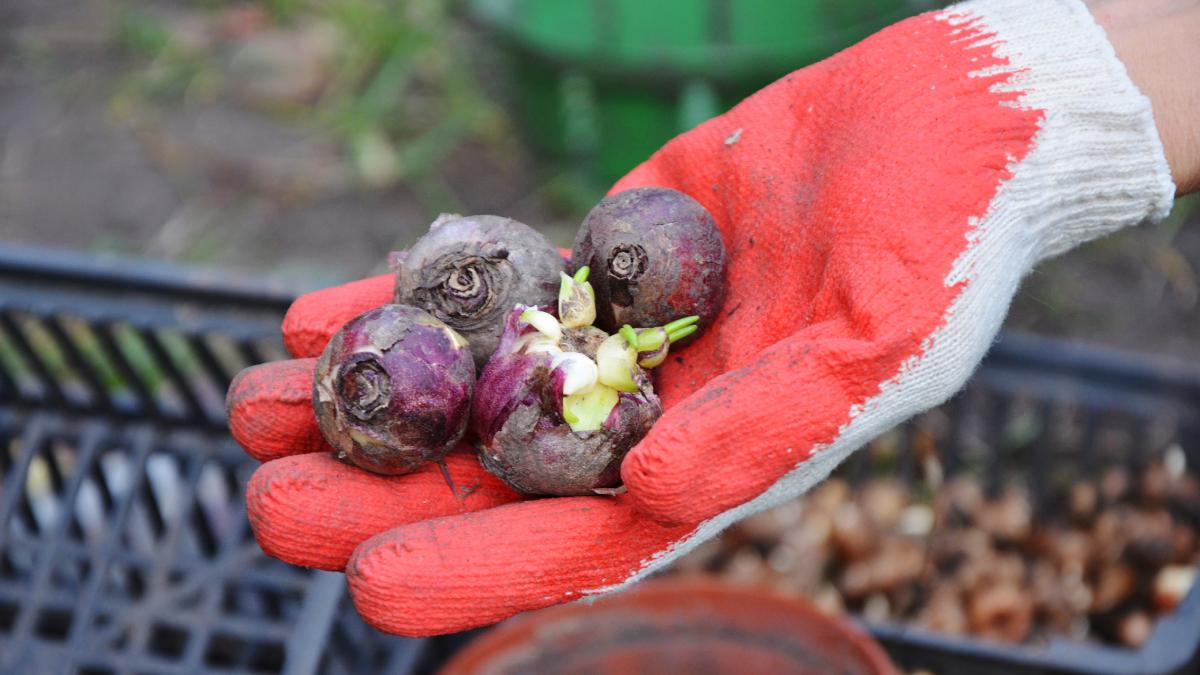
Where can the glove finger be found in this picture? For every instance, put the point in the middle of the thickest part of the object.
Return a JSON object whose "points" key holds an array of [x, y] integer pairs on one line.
{"points": [[451, 574], [785, 412], [314, 317], [270, 410], [312, 510]]}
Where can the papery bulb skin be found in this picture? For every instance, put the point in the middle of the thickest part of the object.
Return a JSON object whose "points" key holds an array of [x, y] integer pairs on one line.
{"points": [[585, 340], [655, 254], [469, 271], [393, 389]]}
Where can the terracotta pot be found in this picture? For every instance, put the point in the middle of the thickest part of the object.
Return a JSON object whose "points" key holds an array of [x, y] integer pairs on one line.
{"points": [[675, 626]]}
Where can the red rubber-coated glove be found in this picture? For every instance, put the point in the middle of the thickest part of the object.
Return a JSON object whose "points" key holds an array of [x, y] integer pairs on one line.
{"points": [[879, 209]]}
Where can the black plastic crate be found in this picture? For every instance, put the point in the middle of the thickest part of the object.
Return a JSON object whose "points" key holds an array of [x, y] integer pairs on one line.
{"points": [[125, 546], [1042, 414]]}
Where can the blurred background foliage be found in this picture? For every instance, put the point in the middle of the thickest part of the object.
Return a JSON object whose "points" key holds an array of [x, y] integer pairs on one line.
{"points": [[392, 81], [304, 139]]}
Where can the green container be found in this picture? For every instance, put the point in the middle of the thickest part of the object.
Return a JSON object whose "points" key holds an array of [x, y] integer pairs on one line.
{"points": [[609, 81]]}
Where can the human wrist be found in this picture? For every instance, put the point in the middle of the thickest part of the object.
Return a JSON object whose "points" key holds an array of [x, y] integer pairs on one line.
{"points": [[1153, 39], [1098, 164]]}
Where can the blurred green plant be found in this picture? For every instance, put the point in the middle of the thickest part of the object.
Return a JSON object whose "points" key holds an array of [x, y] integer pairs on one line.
{"points": [[284, 11], [397, 87], [172, 71], [404, 93], [140, 34]]}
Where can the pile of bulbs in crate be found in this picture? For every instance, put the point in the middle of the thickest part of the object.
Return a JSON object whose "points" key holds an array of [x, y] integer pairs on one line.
{"points": [[1122, 551]]}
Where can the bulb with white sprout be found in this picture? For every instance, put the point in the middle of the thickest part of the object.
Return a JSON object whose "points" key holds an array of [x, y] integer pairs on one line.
{"points": [[561, 402]]}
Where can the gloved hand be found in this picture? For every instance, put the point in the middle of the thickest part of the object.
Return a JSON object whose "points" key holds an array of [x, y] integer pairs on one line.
{"points": [[879, 210]]}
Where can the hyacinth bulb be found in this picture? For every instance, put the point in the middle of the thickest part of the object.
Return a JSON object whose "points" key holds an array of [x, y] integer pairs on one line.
{"points": [[393, 388], [561, 402], [655, 254], [469, 271]]}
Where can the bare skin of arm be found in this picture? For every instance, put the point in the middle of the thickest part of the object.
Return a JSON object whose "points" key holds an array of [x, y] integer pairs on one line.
{"points": [[1157, 40]]}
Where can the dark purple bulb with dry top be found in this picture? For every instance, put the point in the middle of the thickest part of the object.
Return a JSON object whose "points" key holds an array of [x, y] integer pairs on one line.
{"points": [[392, 389], [469, 271], [655, 255]]}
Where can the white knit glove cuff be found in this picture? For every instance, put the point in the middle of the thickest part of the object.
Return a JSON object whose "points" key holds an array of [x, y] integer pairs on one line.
{"points": [[1098, 164]]}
